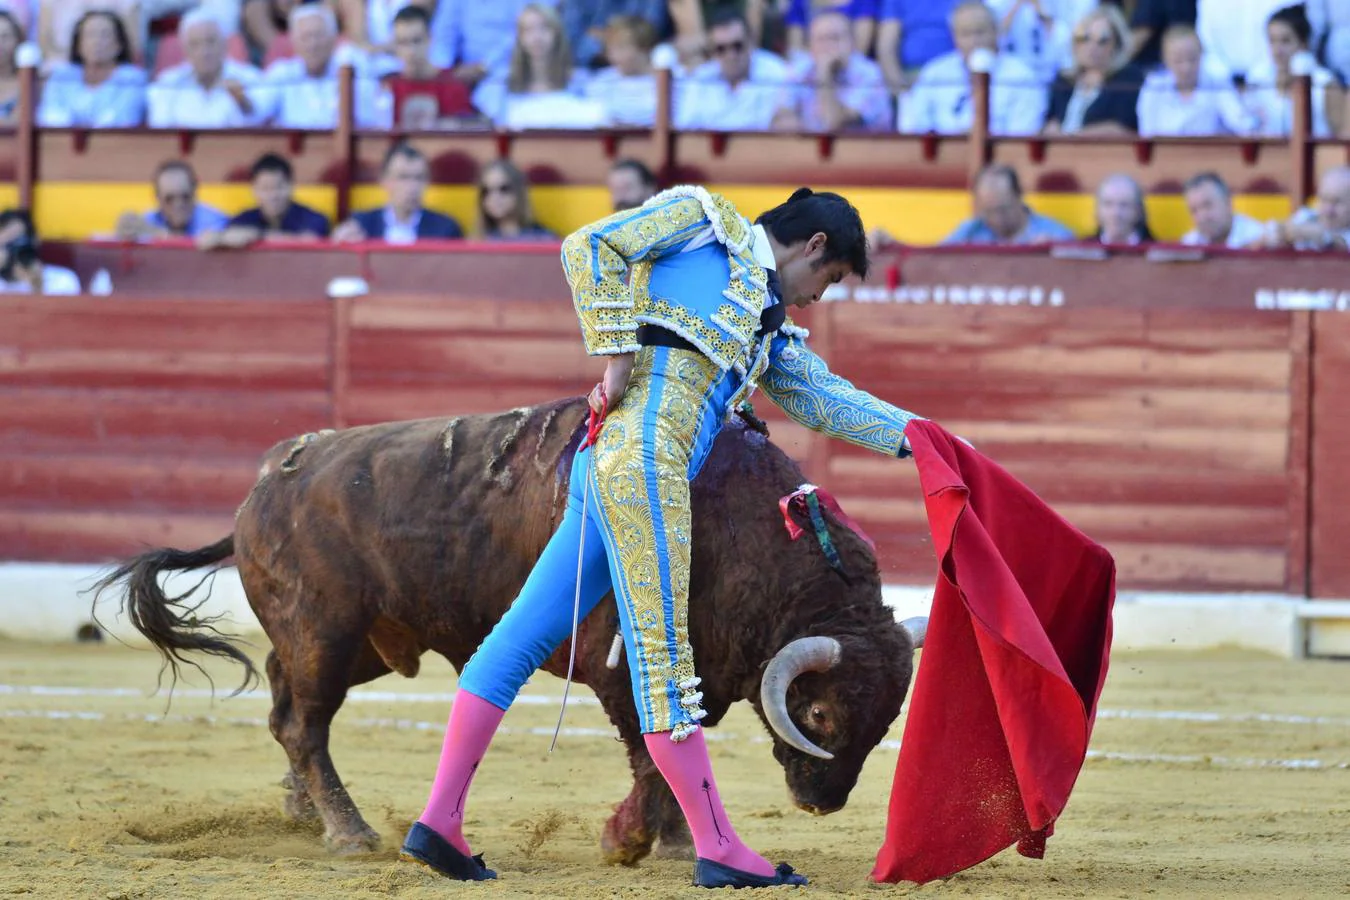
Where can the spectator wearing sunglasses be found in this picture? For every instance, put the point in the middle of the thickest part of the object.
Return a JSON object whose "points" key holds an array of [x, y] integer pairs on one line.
{"points": [[177, 212], [742, 88], [504, 210], [1101, 94]]}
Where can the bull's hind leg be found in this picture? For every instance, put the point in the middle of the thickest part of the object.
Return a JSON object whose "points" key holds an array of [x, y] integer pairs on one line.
{"points": [[369, 666], [318, 677]]}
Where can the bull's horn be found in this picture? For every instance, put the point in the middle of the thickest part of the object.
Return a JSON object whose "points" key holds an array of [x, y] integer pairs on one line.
{"points": [[808, 654], [917, 628]]}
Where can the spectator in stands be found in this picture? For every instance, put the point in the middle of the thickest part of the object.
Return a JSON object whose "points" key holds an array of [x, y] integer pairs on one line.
{"points": [[910, 35], [1101, 94], [277, 215], [1325, 228], [588, 23], [840, 89], [1150, 22], [862, 16], [1002, 216], [504, 210], [301, 91], [1040, 32], [11, 36], [208, 90], [1213, 221], [1330, 20], [422, 96], [476, 37], [369, 25], [631, 184], [1233, 33], [404, 176], [177, 212], [1185, 99], [1267, 93], [542, 88], [99, 87], [743, 88], [22, 271], [1121, 218], [627, 87], [58, 20], [940, 100]]}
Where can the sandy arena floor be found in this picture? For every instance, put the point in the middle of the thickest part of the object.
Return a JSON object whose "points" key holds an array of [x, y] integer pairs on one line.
{"points": [[1215, 775]]}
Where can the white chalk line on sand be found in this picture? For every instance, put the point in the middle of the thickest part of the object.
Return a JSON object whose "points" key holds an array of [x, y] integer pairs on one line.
{"points": [[1227, 762], [1169, 715]]}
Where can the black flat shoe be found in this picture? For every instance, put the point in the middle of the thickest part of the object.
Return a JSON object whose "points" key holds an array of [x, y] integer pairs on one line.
{"points": [[711, 874], [422, 845]]}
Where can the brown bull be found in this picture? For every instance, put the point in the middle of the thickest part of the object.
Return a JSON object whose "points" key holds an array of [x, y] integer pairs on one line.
{"points": [[363, 549]]}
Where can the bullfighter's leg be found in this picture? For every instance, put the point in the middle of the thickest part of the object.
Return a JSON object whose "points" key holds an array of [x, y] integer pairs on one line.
{"points": [[652, 444], [318, 682], [537, 622]]}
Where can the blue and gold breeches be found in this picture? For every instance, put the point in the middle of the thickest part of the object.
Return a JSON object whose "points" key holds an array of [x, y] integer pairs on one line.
{"points": [[638, 532]]}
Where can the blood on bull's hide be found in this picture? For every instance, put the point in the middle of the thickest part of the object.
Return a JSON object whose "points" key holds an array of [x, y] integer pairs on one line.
{"points": [[360, 550]]}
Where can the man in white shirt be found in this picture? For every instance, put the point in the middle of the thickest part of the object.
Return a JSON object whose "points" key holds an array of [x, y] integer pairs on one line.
{"points": [[840, 88], [741, 89], [208, 90], [301, 91], [1213, 221], [940, 100]]}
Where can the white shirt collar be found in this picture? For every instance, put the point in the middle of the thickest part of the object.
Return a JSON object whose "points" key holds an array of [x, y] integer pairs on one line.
{"points": [[761, 249]]}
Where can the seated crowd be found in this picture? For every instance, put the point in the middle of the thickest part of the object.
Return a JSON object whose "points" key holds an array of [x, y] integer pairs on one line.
{"points": [[1168, 68]]}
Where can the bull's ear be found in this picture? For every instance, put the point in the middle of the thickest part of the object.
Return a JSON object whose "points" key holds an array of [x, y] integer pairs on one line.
{"points": [[917, 629]]}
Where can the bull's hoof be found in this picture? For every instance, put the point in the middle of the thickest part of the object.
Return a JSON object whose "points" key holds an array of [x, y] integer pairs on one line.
{"points": [[364, 841], [618, 852], [711, 874]]}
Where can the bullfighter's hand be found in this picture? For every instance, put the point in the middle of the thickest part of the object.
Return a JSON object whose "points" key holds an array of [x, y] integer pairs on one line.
{"points": [[615, 382]]}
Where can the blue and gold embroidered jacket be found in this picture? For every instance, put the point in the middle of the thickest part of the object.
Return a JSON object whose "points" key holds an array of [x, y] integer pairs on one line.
{"points": [[687, 258]]}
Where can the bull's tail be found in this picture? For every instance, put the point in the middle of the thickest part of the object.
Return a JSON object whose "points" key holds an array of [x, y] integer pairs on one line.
{"points": [[171, 624]]}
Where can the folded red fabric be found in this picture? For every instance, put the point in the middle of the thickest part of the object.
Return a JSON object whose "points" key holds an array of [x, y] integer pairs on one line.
{"points": [[1005, 698]]}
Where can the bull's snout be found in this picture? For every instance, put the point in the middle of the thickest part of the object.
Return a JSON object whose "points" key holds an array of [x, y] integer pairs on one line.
{"points": [[815, 809]]}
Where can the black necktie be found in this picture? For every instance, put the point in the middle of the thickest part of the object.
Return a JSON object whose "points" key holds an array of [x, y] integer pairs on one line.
{"points": [[772, 317]]}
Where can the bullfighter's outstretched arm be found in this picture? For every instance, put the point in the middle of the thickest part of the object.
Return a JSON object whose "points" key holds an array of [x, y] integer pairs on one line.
{"points": [[596, 258], [802, 384]]}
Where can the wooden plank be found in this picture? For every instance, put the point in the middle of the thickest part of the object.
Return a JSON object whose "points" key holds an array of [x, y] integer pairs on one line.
{"points": [[98, 536], [1298, 480], [385, 358], [242, 424], [127, 482], [1330, 488]]}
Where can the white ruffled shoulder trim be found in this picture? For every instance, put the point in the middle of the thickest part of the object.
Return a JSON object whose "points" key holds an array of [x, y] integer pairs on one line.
{"points": [[710, 210]]}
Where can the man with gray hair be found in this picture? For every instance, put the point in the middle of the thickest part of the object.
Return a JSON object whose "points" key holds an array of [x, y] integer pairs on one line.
{"points": [[940, 100], [301, 91], [1325, 228], [1214, 223], [208, 90]]}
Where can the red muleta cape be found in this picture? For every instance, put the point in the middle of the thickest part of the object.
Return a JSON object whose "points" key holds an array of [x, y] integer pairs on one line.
{"points": [[1016, 654]]}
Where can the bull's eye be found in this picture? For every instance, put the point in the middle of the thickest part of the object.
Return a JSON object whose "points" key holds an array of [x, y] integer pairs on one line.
{"points": [[818, 714]]}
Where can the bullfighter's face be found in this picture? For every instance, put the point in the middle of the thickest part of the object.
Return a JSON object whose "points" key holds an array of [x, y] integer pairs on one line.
{"points": [[805, 274]]}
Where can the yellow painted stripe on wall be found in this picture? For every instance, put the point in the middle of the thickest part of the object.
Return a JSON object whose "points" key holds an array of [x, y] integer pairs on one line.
{"points": [[9, 196], [74, 211]]}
